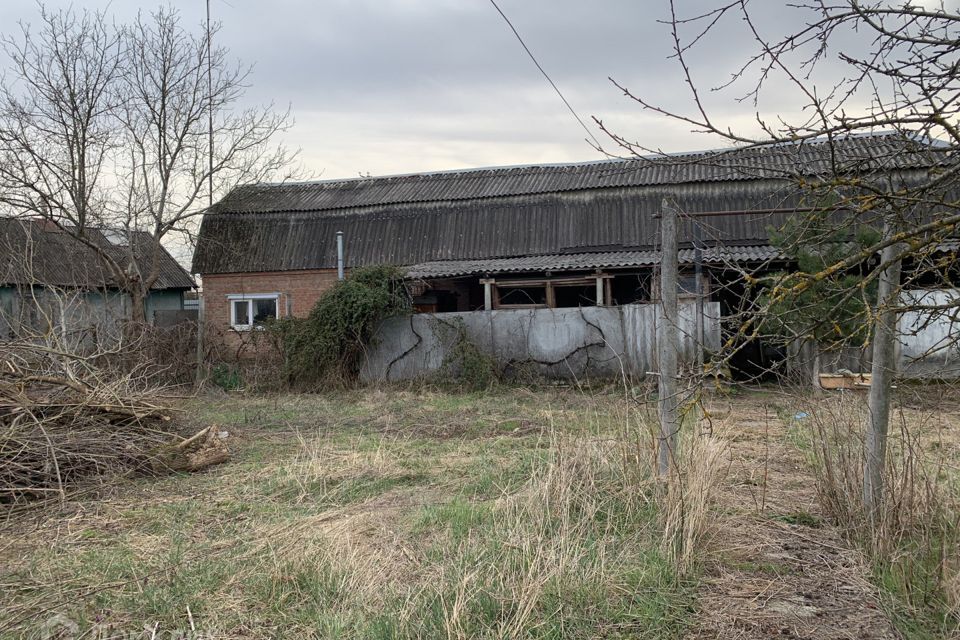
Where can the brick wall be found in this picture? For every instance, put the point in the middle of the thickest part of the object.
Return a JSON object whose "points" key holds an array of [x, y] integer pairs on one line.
{"points": [[299, 291]]}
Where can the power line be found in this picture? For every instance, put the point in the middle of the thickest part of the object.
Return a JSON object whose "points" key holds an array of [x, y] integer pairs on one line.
{"points": [[545, 75]]}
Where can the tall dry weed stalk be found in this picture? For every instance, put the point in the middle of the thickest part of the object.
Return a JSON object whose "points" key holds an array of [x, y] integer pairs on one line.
{"points": [[914, 541], [687, 497]]}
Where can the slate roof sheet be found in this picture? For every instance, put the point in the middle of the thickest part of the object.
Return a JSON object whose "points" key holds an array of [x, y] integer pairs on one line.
{"points": [[33, 251], [512, 212], [584, 261]]}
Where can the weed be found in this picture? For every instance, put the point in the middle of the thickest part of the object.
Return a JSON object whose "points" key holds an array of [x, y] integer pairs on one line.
{"points": [[227, 377], [465, 365], [800, 518], [915, 541]]}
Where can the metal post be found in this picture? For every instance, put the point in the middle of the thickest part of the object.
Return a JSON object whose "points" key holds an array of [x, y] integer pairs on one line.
{"points": [[339, 255], [201, 365], [881, 378], [698, 274], [667, 337], [487, 295], [600, 300]]}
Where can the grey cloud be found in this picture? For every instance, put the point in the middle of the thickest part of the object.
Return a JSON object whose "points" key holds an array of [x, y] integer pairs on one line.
{"points": [[401, 85]]}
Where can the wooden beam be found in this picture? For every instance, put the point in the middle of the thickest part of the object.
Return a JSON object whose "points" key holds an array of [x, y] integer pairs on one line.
{"points": [[487, 294]]}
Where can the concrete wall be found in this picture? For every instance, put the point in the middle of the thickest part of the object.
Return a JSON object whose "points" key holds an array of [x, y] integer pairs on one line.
{"points": [[560, 343], [930, 339]]}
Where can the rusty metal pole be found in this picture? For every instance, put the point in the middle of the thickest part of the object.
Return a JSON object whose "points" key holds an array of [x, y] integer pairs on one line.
{"points": [[668, 338]]}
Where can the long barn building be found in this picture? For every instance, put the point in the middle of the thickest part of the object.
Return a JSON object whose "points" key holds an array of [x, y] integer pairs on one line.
{"points": [[520, 237]]}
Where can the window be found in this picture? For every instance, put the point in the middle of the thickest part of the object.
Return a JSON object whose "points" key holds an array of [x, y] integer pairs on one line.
{"points": [[551, 293], [247, 311], [535, 296], [686, 285]]}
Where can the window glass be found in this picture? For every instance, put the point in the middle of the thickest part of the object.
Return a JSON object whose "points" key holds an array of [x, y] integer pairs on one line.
{"points": [[264, 309], [241, 316]]}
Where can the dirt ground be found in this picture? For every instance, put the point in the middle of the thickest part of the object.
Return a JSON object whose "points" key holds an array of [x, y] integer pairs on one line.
{"points": [[779, 570]]}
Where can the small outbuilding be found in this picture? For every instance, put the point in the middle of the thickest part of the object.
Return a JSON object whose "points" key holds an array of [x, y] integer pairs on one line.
{"points": [[50, 278]]}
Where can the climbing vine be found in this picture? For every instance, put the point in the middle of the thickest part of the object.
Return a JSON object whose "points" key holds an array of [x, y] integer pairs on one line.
{"points": [[327, 347]]}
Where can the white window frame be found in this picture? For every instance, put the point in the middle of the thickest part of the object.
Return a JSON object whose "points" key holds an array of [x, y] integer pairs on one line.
{"points": [[249, 298]]}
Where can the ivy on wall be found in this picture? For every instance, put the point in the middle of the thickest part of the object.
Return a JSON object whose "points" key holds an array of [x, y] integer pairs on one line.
{"points": [[326, 348]]}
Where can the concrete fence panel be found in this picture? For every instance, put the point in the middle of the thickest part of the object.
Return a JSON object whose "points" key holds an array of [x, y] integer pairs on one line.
{"points": [[559, 343]]}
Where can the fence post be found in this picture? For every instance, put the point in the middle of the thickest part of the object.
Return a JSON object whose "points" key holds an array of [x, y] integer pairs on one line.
{"points": [[882, 371], [667, 338]]}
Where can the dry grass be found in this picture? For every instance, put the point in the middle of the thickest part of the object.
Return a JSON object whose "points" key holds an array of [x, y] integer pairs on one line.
{"points": [[914, 543], [688, 501], [388, 514]]}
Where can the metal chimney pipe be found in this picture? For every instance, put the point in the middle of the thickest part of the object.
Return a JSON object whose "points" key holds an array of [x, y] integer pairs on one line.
{"points": [[339, 255]]}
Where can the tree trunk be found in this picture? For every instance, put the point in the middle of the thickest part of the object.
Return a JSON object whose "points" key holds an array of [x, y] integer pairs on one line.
{"points": [[815, 363], [882, 373], [138, 306]]}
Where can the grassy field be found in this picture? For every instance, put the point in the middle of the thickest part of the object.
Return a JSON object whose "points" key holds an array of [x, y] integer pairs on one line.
{"points": [[377, 514]]}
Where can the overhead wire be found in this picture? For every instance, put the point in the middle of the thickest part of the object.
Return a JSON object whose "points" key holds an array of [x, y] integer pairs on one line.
{"points": [[545, 74]]}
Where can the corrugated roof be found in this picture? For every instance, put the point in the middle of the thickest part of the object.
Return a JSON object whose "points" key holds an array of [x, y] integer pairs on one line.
{"points": [[597, 220], [584, 261], [852, 154], [33, 251], [512, 212]]}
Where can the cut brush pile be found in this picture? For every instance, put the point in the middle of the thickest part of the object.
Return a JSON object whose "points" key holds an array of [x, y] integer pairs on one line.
{"points": [[64, 422]]}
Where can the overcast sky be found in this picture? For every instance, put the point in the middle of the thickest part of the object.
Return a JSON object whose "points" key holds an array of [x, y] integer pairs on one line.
{"points": [[398, 86]]}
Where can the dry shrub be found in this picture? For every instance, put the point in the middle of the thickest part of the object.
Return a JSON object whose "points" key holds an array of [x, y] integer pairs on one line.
{"points": [[687, 499], [173, 350], [243, 360], [914, 541], [64, 421], [162, 355]]}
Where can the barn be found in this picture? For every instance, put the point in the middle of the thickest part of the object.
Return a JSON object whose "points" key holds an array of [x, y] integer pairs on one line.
{"points": [[524, 237]]}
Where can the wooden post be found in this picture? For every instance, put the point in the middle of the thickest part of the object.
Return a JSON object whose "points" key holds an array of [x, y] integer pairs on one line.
{"points": [[599, 291], [487, 294], [882, 372], [667, 337], [551, 295]]}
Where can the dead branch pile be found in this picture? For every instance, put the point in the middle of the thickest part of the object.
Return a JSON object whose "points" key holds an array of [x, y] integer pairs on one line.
{"points": [[65, 422]]}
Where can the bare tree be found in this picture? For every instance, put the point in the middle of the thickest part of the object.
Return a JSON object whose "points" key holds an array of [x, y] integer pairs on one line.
{"points": [[899, 73], [168, 100], [57, 118], [110, 127]]}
